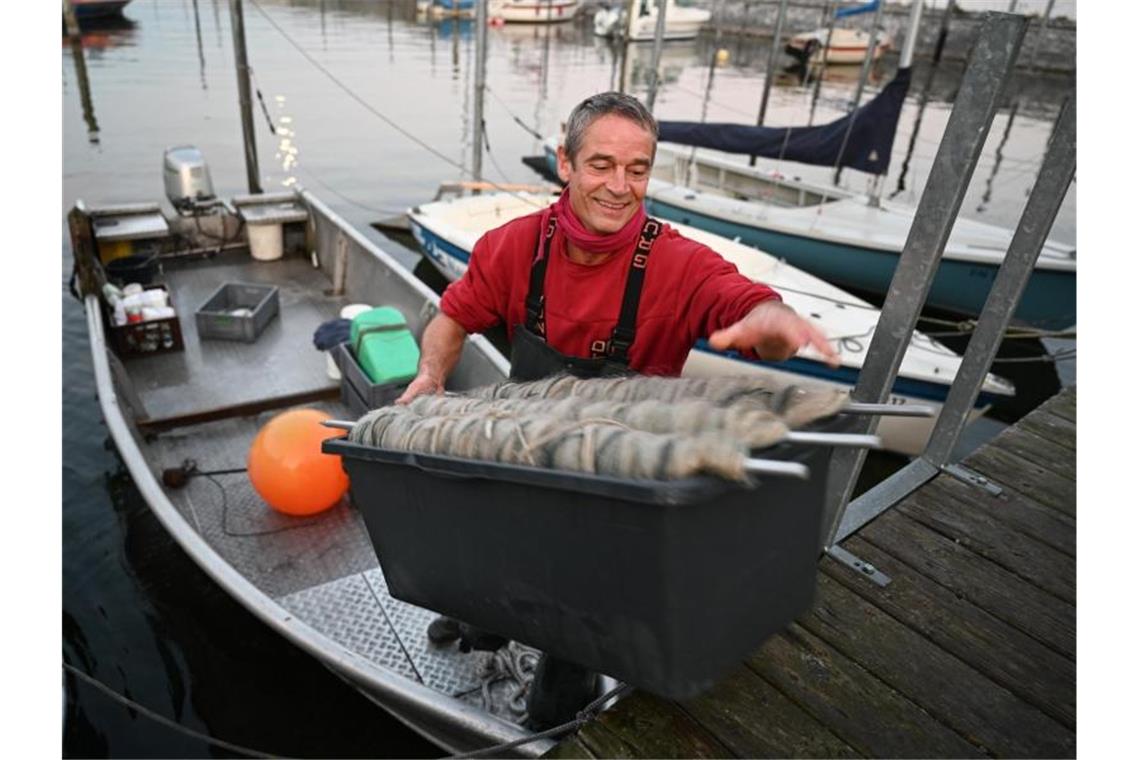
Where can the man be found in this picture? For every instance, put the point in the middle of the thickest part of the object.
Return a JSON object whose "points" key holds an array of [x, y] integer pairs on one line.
{"points": [[592, 286]]}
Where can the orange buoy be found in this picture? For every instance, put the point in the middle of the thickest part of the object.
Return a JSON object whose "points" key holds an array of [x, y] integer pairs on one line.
{"points": [[288, 469]]}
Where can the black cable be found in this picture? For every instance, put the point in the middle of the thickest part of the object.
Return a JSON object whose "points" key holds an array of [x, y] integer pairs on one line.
{"points": [[162, 718]]}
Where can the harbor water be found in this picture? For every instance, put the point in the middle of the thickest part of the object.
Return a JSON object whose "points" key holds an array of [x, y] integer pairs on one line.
{"points": [[370, 106]]}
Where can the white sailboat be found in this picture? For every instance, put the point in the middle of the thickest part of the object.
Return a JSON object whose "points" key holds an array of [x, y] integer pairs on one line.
{"points": [[681, 22], [447, 230], [532, 11]]}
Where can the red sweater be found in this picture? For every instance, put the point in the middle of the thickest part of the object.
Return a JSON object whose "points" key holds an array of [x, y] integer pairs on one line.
{"points": [[689, 292]]}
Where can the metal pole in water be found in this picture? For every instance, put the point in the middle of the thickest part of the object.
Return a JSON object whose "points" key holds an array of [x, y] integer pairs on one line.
{"points": [[1045, 200], [906, 58], [237, 21], [658, 43], [623, 79], [480, 84], [822, 62], [770, 72], [983, 86], [70, 21], [80, 60]]}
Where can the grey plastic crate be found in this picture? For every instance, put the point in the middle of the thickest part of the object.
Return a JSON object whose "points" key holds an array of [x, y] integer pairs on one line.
{"points": [[372, 395], [216, 320]]}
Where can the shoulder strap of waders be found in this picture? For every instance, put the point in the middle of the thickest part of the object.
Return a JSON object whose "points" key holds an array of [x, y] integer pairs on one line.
{"points": [[535, 298], [625, 330]]}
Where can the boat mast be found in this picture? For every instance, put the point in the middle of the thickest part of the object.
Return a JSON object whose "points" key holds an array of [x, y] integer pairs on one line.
{"points": [[480, 83], [658, 43], [770, 71], [831, 9], [237, 22], [631, 7], [906, 58]]}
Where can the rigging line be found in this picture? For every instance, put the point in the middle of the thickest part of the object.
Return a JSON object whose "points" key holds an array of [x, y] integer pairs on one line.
{"points": [[344, 197], [463, 170], [130, 703], [356, 97], [518, 120]]}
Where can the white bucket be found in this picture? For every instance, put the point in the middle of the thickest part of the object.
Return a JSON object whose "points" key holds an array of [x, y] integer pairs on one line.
{"points": [[266, 241], [350, 311]]}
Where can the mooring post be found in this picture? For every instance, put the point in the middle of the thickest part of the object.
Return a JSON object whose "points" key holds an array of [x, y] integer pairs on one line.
{"points": [[480, 86], [237, 20], [983, 84], [658, 43]]}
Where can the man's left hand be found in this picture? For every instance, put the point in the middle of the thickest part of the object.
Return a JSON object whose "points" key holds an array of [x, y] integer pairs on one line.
{"points": [[775, 332]]}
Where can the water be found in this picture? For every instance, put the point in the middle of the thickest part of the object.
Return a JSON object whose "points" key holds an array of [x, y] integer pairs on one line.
{"points": [[137, 614]]}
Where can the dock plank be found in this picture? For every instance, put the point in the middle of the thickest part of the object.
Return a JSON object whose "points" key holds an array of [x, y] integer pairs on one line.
{"points": [[1025, 667], [1015, 510], [1023, 605], [732, 709], [1038, 483], [977, 530], [656, 727], [1051, 427], [1041, 451], [1064, 404], [601, 742], [855, 705], [976, 707]]}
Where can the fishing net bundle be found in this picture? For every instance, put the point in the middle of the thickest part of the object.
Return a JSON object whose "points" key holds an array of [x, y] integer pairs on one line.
{"points": [[601, 447], [751, 426], [639, 427], [795, 405]]}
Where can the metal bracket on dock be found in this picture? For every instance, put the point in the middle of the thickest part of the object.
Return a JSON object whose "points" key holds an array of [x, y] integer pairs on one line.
{"points": [[969, 477], [866, 569]]}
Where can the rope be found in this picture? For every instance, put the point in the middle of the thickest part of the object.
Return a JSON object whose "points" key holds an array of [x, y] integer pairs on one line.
{"points": [[127, 702], [584, 716], [533, 132]]}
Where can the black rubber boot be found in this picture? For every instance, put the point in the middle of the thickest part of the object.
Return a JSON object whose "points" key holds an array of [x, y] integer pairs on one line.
{"points": [[559, 690]]}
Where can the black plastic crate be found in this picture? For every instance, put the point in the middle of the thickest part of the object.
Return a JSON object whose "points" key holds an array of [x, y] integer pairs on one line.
{"points": [[155, 336], [215, 318], [662, 584], [360, 388]]}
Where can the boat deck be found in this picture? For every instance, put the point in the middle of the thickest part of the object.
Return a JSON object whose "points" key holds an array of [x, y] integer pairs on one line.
{"points": [[220, 374], [968, 652]]}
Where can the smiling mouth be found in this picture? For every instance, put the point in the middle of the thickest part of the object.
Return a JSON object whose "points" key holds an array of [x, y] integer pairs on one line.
{"points": [[609, 206]]}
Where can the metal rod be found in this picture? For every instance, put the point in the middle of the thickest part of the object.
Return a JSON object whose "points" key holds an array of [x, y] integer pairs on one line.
{"points": [[237, 22], [623, 79], [1045, 200], [843, 440], [943, 31], [822, 63], [480, 85], [868, 58], [339, 424], [70, 21], [1040, 33], [983, 84], [769, 73], [889, 410], [658, 43], [777, 467]]}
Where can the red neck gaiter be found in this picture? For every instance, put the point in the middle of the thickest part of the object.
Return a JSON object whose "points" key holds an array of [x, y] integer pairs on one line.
{"points": [[590, 242]]}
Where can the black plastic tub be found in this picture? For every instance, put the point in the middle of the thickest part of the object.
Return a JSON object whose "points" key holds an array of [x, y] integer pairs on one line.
{"points": [[662, 584], [140, 268]]}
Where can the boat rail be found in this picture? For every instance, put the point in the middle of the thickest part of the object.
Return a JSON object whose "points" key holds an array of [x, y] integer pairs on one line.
{"points": [[984, 82]]}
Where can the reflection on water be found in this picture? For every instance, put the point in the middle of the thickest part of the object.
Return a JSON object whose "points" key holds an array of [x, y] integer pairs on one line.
{"points": [[134, 606]]}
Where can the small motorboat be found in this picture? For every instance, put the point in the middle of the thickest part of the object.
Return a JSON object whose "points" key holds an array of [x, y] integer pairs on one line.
{"points": [[681, 22], [531, 11], [847, 46], [86, 10]]}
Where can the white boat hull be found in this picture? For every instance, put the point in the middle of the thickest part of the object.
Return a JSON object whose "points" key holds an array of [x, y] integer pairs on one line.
{"points": [[532, 11], [681, 23]]}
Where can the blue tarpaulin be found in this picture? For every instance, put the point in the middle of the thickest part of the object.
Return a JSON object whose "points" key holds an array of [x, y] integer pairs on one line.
{"points": [[845, 12], [868, 146]]}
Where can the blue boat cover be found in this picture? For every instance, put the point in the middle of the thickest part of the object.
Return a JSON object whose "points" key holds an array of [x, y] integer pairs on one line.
{"points": [[845, 12], [868, 147]]}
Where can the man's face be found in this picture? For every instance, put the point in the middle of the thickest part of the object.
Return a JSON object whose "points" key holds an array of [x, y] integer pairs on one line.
{"points": [[608, 178]]}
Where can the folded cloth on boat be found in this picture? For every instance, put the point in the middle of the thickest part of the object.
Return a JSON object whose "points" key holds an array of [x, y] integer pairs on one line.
{"points": [[332, 333]]}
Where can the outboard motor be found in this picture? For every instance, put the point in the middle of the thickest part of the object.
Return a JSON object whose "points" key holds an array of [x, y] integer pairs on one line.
{"points": [[187, 179]]}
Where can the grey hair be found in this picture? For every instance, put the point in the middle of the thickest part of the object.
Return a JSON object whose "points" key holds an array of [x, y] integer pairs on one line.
{"points": [[595, 106]]}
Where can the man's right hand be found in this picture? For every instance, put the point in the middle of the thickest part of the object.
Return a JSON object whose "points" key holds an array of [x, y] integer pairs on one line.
{"points": [[422, 385]]}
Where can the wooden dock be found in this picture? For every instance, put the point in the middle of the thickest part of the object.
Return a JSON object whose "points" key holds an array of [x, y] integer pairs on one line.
{"points": [[970, 651]]}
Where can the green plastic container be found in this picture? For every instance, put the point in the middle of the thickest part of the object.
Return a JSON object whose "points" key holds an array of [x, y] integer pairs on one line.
{"points": [[384, 346]]}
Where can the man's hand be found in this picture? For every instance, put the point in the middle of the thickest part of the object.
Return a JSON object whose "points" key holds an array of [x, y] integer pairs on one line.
{"points": [[422, 385], [775, 332]]}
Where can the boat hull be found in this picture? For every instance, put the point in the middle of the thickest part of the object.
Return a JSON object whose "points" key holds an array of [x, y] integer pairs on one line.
{"points": [[960, 287], [533, 11], [904, 435]]}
